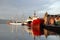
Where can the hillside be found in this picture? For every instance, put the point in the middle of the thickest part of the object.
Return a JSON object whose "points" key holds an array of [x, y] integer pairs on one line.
{"points": [[3, 21]]}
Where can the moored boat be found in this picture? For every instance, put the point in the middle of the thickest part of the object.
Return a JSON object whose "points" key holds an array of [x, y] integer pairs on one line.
{"points": [[15, 23], [47, 25], [36, 27]]}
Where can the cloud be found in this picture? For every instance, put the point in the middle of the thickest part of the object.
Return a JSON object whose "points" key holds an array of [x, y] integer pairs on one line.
{"points": [[54, 8], [13, 7]]}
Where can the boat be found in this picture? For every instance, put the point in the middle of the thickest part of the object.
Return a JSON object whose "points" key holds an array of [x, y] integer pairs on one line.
{"points": [[45, 26], [30, 19], [34, 26], [53, 28], [52, 24], [15, 23], [12, 23]]}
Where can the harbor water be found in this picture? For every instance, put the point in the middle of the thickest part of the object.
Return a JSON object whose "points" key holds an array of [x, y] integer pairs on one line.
{"points": [[12, 32]]}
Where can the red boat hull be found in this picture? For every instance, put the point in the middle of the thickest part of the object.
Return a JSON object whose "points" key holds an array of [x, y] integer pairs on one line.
{"points": [[35, 25]]}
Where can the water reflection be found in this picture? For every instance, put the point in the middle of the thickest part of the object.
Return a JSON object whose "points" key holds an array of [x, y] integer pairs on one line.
{"points": [[53, 37], [14, 28], [18, 30], [10, 32]]}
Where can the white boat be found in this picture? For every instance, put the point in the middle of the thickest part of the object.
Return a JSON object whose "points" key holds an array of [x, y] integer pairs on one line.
{"points": [[16, 23]]}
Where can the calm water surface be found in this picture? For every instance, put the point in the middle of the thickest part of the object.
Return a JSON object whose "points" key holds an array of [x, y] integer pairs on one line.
{"points": [[10, 32]]}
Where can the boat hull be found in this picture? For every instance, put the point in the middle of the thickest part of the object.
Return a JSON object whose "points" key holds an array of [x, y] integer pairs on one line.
{"points": [[36, 27], [29, 24], [15, 23], [55, 29]]}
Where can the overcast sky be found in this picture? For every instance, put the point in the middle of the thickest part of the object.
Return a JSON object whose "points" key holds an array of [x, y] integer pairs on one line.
{"points": [[16, 8]]}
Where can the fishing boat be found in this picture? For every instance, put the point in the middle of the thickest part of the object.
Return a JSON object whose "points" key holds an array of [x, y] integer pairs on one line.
{"points": [[45, 26], [30, 19], [12, 23], [52, 24], [35, 26], [15, 23]]}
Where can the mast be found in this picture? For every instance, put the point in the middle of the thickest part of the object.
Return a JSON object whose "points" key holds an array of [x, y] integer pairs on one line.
{"points": [[22, 18], [34, 14]]}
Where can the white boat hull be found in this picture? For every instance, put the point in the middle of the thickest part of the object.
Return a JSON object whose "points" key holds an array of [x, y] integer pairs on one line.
{"points": [[16, 23]]}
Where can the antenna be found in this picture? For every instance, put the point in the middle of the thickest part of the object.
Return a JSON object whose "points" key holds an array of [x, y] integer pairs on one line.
{"points": [[34, 13]]}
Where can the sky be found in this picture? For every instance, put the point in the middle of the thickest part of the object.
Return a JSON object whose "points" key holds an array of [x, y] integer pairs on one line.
{"points": [[25, 8]]}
